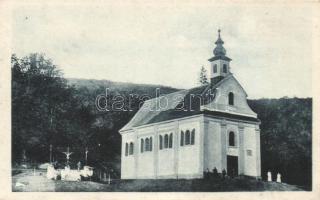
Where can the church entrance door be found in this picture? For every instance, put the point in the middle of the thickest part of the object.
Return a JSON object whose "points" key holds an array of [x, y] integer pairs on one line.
{"points": [[232, 166]]}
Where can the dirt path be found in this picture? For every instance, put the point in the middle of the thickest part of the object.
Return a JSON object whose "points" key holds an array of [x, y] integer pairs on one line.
{"points": [[29, 182]]}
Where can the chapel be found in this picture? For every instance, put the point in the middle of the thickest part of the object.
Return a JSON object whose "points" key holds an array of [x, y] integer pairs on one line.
{"points": [[188, 132]]}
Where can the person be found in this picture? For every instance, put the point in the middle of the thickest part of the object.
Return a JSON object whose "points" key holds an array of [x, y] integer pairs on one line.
{"points": [[278, 178], [269, 176], [215, 172], [233, 173], [224, 173], [207, 173]]}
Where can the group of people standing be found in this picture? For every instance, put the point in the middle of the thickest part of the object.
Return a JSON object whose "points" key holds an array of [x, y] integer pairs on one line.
{"points": [[214, 173], [269, 175]]}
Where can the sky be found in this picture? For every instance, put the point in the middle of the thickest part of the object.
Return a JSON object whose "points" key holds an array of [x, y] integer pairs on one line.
{"points": [[270, 46]]}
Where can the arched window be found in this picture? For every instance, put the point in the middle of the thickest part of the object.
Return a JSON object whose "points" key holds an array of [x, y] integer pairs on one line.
{"points": [[187, 137], [127, 149], [181, 138], [231, 139], [147, 144], [131, 148], [193, 132], [166, 141], [142, 145], [170, 140], [231, 98], [150, 145], [160, 142], [215, 68], [225, 70]]}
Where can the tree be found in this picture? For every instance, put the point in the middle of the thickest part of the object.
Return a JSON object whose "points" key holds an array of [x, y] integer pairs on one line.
{"points": [[45, 109], [286, 138], [203, 80]]}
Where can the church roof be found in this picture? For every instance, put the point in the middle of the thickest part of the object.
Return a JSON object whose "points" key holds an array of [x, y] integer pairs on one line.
{"points": [[176, 105], [156, 109], [219, 51], [221, 57]]}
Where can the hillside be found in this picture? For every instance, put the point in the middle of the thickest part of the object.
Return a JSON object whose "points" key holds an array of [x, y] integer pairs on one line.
{"points": [[39, 182], [286, 137], [93, 84], [50, 110], [286, 126]]}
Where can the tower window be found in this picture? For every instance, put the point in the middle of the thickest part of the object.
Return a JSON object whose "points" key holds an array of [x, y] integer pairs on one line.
{"points": [[225, 70], [215, 68], [231, 98], [231, 139]]}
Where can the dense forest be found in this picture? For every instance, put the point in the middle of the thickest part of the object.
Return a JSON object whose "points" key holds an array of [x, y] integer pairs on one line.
{"points": [[48, 109]]}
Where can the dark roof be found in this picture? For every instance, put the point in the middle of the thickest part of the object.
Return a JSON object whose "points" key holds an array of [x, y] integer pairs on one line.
{"points": [[174, 114], [165, 107], [230, 116], [216, 79], [219, 58], [187, 104]]}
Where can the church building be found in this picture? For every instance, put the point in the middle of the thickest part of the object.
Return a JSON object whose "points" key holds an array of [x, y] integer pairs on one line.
{"points": [[185, 133]]}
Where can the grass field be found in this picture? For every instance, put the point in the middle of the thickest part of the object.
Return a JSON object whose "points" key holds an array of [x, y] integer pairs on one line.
{"points": [[28, 182]]}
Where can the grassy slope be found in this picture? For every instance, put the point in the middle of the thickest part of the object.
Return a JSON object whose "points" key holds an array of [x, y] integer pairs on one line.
{"points": [[40, 183]]}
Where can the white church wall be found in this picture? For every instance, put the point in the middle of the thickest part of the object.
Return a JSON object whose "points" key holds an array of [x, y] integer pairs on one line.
{"points": [[166, 163], [189, 155], [166, 155], [145, 164], [230, 85], [128, 162], [221, 102], [232, 150], [212, 152], [186, 161], [250, 151], [219, 72], [258, 151]]}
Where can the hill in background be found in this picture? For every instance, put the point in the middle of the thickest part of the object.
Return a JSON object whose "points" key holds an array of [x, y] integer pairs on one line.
{"points": [[92, 84], [286, 125], [51, 111]]}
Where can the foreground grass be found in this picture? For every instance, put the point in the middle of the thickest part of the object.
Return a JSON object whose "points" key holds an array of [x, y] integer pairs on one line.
{"points": [[38, 182]]}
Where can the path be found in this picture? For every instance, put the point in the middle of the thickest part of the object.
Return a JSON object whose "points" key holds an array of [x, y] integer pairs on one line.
{"points": [[28, 182]]}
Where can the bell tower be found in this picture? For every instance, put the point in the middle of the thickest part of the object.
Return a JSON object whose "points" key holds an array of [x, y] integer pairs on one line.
{"points": [[219, 63]]}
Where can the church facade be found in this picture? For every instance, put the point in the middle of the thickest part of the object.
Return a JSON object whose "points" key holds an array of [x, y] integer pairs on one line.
{"points": [[185, 133]]}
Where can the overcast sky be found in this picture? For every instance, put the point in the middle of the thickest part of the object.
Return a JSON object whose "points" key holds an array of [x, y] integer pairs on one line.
{"points": [[270, 46]]}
